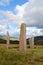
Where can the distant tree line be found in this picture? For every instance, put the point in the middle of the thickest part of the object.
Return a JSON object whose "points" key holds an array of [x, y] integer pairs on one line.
{"points": [[2, 41], [11, 42]]}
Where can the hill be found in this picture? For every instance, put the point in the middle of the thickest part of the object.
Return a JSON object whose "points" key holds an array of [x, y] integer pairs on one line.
{"points": [[11, 38], [37, 38]]}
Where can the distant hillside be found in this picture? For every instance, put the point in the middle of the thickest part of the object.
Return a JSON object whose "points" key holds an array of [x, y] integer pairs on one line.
{"points": [[37, 38], [11, 38]]}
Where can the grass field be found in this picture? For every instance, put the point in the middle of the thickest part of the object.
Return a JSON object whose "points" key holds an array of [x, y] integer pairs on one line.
{"points": [[13, 56]]}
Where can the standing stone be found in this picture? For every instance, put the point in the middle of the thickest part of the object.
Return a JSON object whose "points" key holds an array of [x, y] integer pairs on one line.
{"points": [[8, 40], [22, 43], [31, 42]]}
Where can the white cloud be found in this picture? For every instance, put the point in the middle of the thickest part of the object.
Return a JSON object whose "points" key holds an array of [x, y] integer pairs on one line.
{"points": [[30, 31], [33, 31], [4, 2], [15, 32], [3, 29], [34, 13], [30, 13]]}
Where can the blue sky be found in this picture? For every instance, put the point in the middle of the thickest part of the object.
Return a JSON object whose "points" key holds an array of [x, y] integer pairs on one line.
{"points": [[12, 4], [15, 12]]}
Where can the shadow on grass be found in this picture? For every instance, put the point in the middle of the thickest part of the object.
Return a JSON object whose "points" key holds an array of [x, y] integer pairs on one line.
{"points": [[13, 47], [28, 46]]}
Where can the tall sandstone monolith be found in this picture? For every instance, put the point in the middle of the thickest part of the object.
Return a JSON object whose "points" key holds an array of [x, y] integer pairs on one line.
{"points": [[31, 42], [22, 43], [8, 39]]}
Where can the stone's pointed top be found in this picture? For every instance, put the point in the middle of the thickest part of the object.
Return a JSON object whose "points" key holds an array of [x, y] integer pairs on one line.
{"points": [[32, 35], [7, 33], [23, 24]]}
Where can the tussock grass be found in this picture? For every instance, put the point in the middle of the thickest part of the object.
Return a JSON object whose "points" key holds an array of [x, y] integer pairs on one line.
{"points": [[13, 56]]}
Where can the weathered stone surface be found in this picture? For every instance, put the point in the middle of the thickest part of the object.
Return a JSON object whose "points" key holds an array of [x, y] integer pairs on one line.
{"points": [[31, 42], [22, 43], [8, 39]]}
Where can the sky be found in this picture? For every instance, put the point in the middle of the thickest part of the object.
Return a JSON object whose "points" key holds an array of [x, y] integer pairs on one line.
{"points": [[15, 12]]}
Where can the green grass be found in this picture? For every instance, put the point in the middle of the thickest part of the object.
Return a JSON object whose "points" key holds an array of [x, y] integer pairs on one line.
{"points": [[13, 56]]}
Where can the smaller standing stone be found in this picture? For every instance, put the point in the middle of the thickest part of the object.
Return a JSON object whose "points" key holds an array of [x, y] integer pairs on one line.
{"points": [[31, 42], [8, 40]]}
